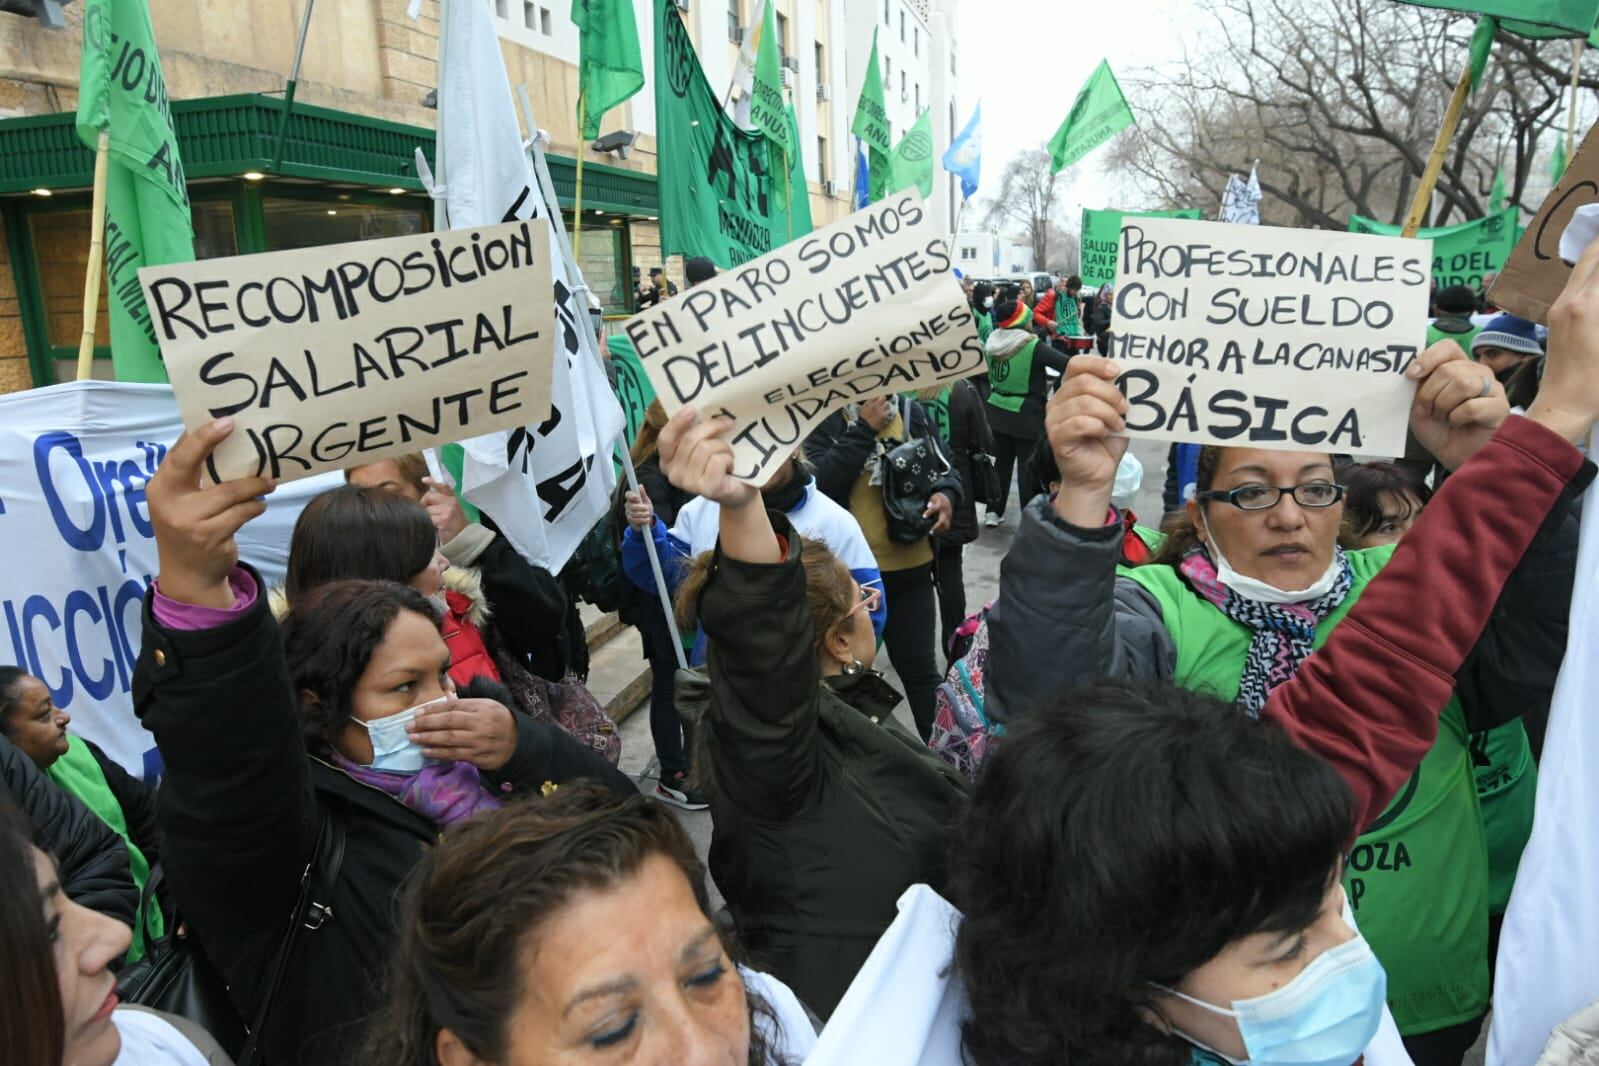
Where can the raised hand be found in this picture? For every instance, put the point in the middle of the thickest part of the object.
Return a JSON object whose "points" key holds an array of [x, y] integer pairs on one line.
{"points": [[444, 509], [696, 457], [1082, 420], [195, 522], [1568, 396], [1458, 403]]}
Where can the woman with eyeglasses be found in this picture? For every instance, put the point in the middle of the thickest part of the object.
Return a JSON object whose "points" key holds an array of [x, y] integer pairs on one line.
{"points": [[824, 807], [1240, 595]]}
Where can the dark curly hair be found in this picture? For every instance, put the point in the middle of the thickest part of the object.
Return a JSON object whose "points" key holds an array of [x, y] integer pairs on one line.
{"points": [[1364, 485], [32, 1023], [471, 906], [328, 638], [1122, 838], [358, 532]]}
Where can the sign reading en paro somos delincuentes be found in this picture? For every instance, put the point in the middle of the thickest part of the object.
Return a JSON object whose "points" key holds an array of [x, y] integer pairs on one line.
{"points": [[343, 354], [1269, 338], [865, 307]]}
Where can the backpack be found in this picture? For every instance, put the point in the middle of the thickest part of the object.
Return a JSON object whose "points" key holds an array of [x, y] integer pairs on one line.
{"points": [[962, 735], [594, 573]]}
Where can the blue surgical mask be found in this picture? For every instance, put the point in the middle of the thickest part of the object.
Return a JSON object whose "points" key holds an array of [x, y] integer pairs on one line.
{"points": [[1324, 1017], [392, 747]]}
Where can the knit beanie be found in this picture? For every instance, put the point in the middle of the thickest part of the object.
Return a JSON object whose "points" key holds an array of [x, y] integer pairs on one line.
{"points": [[1510, 333]]}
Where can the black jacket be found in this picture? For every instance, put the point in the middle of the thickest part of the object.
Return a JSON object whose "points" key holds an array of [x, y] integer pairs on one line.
{"points": [[839, 449], [532, 612], [824, 809], [240, 806], [92, 858], [968, 434]]}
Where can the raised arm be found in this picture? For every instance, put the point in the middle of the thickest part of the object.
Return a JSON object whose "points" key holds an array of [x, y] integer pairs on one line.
{"points": [[765, 683]]}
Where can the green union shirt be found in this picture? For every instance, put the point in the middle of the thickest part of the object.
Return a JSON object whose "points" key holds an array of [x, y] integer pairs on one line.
{"points": [[1417, 878]]}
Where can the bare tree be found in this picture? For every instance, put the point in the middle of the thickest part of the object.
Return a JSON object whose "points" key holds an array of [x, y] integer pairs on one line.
{"points": [[1026, 204], [1340, 103]]}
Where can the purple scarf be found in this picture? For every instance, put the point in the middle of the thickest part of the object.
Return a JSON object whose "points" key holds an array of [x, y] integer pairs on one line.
{"points": [[444, 793]]}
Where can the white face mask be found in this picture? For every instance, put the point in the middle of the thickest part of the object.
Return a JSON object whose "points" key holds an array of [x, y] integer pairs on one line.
{"points": [[988, 302], [1129, 477], [1253, 588], [392, 747]]}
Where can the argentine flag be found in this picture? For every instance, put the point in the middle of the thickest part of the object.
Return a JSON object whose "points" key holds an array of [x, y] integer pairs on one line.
{"points": [[964, 158]]}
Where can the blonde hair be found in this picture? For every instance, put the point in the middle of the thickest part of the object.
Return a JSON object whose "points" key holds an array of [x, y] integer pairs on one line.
{"points": [[829, 589], [649, 433]]}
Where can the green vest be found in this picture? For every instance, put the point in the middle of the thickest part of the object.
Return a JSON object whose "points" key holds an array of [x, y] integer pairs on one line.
{"points": [[79, 775], [1417, 878], [1010, 378], [1507, 788], [1068, 317], [1434, 335], [937, 409], [985, 325]]}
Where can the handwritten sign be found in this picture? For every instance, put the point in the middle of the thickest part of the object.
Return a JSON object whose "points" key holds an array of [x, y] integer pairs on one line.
{"points": [[1535, 274], [327, 357], [863, 308], [1269, 338]]}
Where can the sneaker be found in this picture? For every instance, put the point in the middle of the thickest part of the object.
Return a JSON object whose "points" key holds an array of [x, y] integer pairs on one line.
{"points": [[673, 789], [993, 519]]}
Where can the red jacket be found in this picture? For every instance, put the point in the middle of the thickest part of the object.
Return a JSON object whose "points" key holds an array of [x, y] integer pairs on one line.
{"points": [[1044, 311], [469, 656], [1460, 551]]}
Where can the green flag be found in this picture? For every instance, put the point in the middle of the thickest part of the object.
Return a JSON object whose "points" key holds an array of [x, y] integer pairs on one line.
{"points": [[720, 192], [1557, 161], [121, 90], [799, 208], [1098, 114], [768, 112], [1482, 44], [610, 67], [1102, 239], [1496, 198], [1529, 18], [1463, 253], [912, 161], [871, 116]]}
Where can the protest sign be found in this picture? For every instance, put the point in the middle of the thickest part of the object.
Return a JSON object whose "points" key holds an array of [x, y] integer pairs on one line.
{"points": [[1534, 275], [1101, 240], [865, 307], [1268, 338], [1463, 254], [327, 357], [74, 461]]}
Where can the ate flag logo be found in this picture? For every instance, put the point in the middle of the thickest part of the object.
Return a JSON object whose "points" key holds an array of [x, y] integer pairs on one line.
{"points": [[917, 146], [680, 59]]}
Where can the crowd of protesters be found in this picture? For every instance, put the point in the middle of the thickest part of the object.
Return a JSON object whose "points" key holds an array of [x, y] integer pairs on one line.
{"points": [[390, 826]]}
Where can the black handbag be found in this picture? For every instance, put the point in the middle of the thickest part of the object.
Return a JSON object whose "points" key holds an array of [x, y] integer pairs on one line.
{"points": [[986, 488], [907, 473], [176, 977]]}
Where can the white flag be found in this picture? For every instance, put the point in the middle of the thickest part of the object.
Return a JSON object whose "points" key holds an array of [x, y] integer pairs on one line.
{"points": [[1549, 949], [543, 485], [744, 65], [1240, 203]]}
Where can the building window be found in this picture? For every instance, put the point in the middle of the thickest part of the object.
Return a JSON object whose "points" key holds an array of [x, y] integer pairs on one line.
{"points": [[502, 8], [969, 251], [903, 82], [887, 21], [782, 37], [530, 14], [310, 223], [821, 64], [902, 27], [916, 39], [918, 98], [544, 22], [888, 72], [734, 22], [821, 159]]}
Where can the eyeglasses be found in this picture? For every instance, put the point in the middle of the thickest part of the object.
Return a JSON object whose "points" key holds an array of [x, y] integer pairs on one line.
{"points": [[1312, 494], [871, 596]]}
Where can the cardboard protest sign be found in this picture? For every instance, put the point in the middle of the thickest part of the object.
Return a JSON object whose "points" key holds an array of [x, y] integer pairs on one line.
{"points": [[1268, 338], [1534, 275], [865, 307], [327, 357]]}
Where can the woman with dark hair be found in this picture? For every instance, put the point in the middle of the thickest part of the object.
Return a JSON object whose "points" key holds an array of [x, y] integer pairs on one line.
{"points": [[354, 532], [348, 719], [1381, 502], [577, 929], [1235, 604], [31, 721], [58, 1003], [823, 807]]}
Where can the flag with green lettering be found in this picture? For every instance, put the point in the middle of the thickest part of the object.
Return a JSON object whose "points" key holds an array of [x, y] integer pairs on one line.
{"points": [[912, 161], [1102, 241], [1098, 114], [1529, 18], [610, 66], [872, 127], [121, 90], [720, 191], [768, 112], [1461, 254]]}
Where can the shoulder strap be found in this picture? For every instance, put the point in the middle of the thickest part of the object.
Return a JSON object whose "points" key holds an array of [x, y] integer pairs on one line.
{"points": [[321, 872]]}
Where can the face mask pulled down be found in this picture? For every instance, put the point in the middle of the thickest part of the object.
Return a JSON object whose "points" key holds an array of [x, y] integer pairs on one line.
{"points": [[393, 750], [1251, 588]]}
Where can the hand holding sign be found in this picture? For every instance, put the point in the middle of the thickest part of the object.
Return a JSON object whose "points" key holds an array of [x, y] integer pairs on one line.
{"points": [[697, 457], [1568, 396], [1458, 403], [1082, 422], [195, 522]]}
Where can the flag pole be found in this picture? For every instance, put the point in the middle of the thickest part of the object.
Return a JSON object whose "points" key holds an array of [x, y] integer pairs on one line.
{"points": [[91, 277], [577, 200], [1577, 46], [1435, 162], [288, 90], [541, 172]]}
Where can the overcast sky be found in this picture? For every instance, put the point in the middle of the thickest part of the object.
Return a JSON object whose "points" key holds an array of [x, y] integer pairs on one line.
{"points": [[1026, 59]]}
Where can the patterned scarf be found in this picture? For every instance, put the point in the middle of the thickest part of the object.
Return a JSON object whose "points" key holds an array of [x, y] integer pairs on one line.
{"points": [[444, 793], [1284, 633]]}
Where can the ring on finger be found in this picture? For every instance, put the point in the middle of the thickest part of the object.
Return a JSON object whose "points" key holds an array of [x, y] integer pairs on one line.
{"points": [[1487, 388]]}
